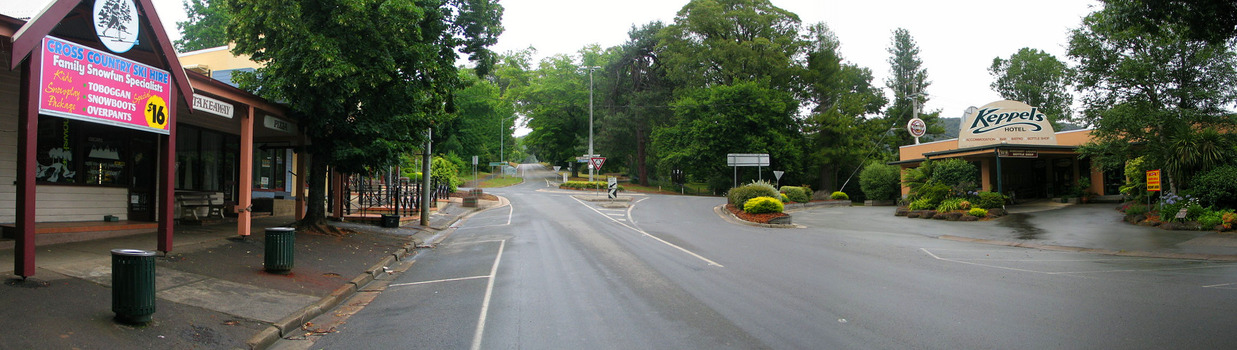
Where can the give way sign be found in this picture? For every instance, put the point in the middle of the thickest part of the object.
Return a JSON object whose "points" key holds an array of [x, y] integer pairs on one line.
{"points": [[597, 162]]}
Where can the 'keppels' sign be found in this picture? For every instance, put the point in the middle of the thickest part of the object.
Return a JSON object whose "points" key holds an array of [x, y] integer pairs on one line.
{"points": [[1008, 122]]}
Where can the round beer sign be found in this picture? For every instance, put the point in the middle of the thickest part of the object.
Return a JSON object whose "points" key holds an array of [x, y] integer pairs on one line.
{"points": [[917, 127]]}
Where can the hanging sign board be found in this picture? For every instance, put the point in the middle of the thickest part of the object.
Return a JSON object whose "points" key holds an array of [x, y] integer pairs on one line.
{"points": [[1018, 153], [82, 83], [277, 124], [917, 127], [1006, 122], [212, 106], [1153, 180]]}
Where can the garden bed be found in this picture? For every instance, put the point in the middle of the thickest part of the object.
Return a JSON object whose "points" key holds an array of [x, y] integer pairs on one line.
{"points": [[756, 218]]}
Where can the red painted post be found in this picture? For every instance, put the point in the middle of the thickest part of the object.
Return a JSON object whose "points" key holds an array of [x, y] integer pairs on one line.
{"points": [[167, 180], [27, 146], [244, 217]]}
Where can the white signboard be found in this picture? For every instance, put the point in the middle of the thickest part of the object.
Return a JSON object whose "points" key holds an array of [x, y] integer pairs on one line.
{"points": [[212, 106], [277, 124], [1006, 122], [747, 159]]}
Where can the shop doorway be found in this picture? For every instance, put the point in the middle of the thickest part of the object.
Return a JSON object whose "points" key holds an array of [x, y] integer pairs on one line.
{"points": [[144, 157]]}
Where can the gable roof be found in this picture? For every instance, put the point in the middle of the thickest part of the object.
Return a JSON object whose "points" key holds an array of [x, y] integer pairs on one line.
{"points": [[42, 24]]}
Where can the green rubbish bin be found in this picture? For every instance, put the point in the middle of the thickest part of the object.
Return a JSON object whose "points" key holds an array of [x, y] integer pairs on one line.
{"points": [[133, 285], [390, 221], [280, 246]]}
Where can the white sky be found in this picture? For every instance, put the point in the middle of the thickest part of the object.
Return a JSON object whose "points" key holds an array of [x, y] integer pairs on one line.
{"points": [[957, 41]]}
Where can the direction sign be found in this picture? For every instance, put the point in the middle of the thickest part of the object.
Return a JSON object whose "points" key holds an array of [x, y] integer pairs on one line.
{"points": [[474, 160], [597, 162], [747, 159], [613, 187]]}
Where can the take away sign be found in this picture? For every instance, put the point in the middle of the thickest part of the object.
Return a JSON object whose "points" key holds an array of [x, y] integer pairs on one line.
{"points": [[1153, 180]]}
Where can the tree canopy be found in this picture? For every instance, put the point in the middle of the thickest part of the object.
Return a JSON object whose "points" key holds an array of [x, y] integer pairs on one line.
{"points": [[365, 91], [1037, 78]]}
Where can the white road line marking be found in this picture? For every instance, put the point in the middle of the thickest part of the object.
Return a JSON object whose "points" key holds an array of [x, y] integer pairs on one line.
{"points": [[963, 261], [448, 244], [633, 206], [646, 234], [438, 281], [925, 250], [1219, 285], [485, 304]]}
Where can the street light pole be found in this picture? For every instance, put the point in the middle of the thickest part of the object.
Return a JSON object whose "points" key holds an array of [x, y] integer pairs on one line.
{"points": [[590, 120]]}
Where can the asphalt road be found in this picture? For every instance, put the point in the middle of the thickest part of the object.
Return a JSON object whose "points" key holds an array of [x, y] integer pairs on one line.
{"points": [[551, 271]]}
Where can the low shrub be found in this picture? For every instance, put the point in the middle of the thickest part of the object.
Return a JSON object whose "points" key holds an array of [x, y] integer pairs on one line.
{"points": [[989, 200], [964, 205], [921, 204], [1221, 187], [1136, 209], [782, 197], [796, 194], [880, 182], [839, 195], [1227, 219], [763, 205], [1211, 219], [978, 212], [739, 196], [950, 204], [587, 185]]}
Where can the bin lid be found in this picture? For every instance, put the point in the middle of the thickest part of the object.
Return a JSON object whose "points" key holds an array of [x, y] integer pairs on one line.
{"points": [[280, 229], [132, 252]]}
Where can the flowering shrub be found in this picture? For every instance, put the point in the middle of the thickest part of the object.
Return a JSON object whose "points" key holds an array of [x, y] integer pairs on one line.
{"points": [[762, 205]]}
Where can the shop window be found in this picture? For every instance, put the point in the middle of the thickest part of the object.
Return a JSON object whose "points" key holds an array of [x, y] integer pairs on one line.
{"points": [[206, 160], [1113, 179], [270, 168], [57, 151]]}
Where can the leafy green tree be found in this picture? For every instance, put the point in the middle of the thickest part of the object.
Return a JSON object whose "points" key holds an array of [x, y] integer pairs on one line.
{"points": [[909, 82], [1143, 91], [1212, 21], [1037, 78], [205, 27], [730, 41], [838, 133], [556, 104], [637, 90], [365, 91], [479, 124], [746, 117]]}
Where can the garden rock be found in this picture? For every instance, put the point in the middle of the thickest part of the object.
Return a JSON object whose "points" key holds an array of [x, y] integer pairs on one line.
{"points": [[914, 214], [996, 212], [953, 216], [968, 218], [1134, 219], [901, 211], [927, 214]]}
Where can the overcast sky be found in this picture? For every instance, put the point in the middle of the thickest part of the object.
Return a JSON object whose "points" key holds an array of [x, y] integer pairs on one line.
{"points": [[957, 41]]}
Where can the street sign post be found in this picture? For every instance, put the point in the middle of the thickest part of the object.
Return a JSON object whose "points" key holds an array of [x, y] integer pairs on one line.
{"points": [[737, 160], [1153, 180], [777, 174], [596, 162], [612, 184]]}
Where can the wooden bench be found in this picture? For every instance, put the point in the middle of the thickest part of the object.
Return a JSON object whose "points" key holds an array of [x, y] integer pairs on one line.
{"points": [[190, 202]]}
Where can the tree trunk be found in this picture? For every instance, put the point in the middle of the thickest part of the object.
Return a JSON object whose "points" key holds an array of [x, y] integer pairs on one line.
{"points": [[316, 213], [828, 178], [642, 167]]}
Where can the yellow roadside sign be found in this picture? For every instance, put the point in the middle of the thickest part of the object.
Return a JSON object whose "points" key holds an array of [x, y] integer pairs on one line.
{"points": [[1153, 180]]}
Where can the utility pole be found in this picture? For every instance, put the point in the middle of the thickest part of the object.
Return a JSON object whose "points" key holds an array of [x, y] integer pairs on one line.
{"points": [[425, 178], [590, 120]]}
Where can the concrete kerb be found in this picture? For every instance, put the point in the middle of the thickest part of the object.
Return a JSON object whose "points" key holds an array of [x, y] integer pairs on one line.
{"points": [[729, 217], [287, 325], [1060, 248]]}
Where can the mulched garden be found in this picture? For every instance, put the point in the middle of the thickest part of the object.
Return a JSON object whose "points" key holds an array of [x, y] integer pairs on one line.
{"points": [[757, 218]]}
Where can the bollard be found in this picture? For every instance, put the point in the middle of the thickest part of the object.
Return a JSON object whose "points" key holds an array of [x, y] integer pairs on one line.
{"points": [[133, 285], [280, 245]]}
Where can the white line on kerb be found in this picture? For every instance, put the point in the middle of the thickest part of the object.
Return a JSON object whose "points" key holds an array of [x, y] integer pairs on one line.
{"points": [[646, 234], [437, 281], [485, 304]]}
